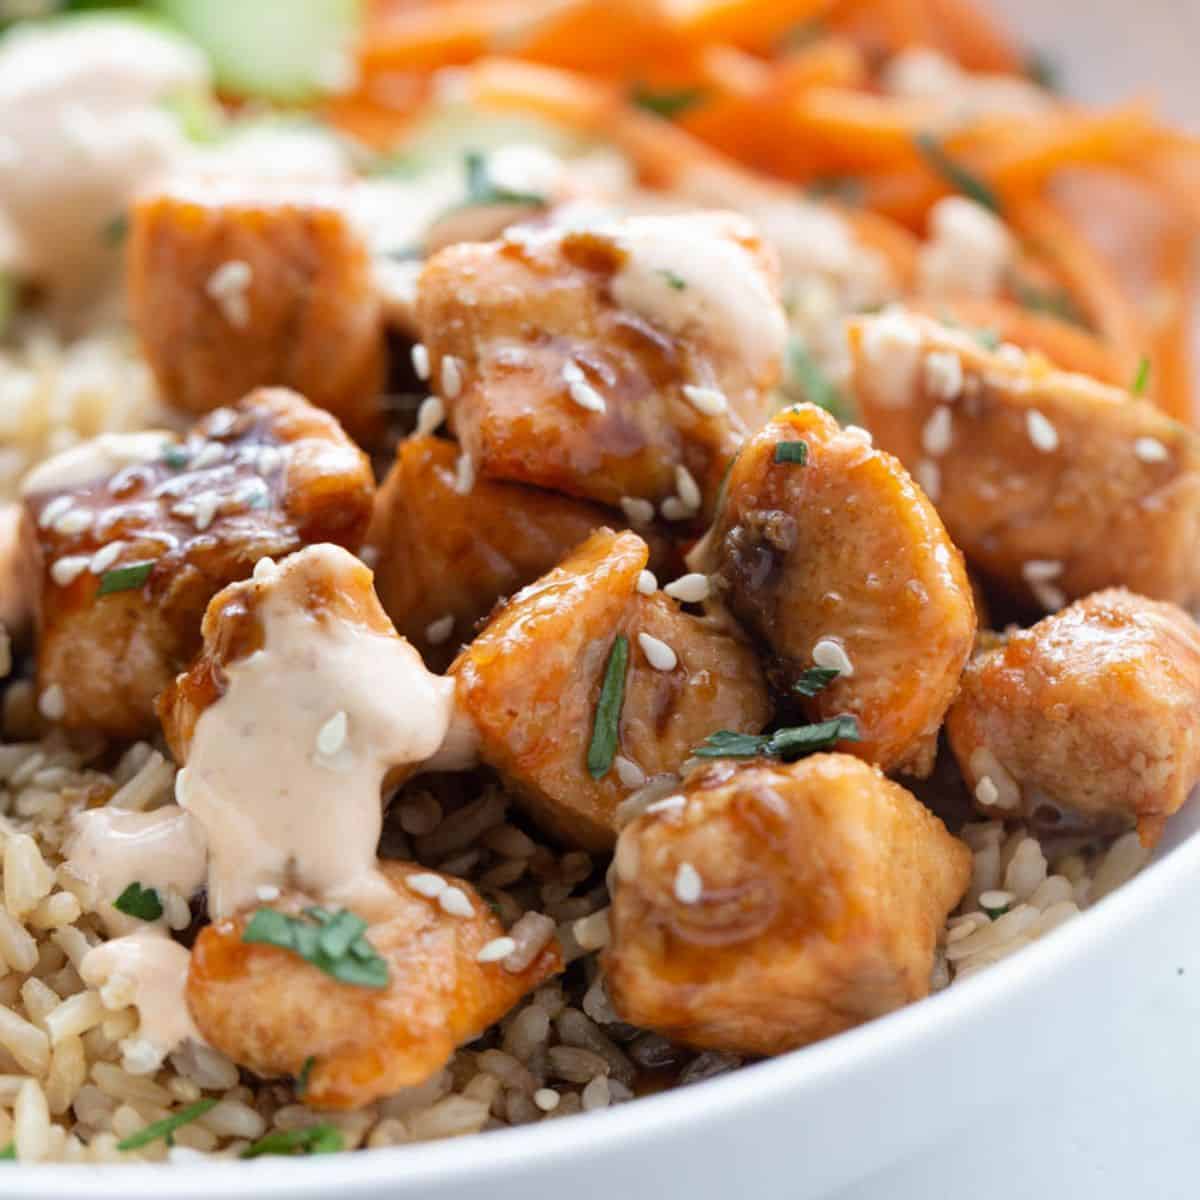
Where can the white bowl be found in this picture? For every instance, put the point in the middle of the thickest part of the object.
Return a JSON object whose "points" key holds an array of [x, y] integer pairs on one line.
{"points": [[1068, 1070]]}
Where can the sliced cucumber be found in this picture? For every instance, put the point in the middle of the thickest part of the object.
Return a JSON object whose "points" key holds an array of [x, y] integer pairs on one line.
{"points": [[285, 50]]}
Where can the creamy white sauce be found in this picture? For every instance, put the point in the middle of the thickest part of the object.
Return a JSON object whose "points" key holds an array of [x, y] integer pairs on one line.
{"points": [[277, 811], [148, 970], [111, 848], [80, 114], [95, 459], [726, 301]]}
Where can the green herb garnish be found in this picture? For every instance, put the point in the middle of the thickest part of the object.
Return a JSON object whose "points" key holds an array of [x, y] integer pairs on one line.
{"points": [[124, 579], [603, 747], [1055, 302], [482, 189], [955, 174], [673, 281], [1141, 377], [791, 452], [814, 680], [305, 1072], [817, 387], [989, 339], [140, 902], [167, 1126], [667, 104], [1043, 71], [177, 457], [332, 942], [316, 1139], [787, 744], [116, 230], [9, 1153]]}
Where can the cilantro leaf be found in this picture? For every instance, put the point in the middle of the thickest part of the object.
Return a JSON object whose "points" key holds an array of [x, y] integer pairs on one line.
{"points": [[141, 902], [331, 941]]}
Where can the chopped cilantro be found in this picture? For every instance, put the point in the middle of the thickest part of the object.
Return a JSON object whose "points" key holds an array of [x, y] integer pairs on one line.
{"points": [[791, 452], [482, 189], [140, 902], [1056, 302], [1141, 378], [124, 579], [9, 1153], [167, 1126], [787, 744], [177, 457], [332, 942], [673, 281], [814, 680], [603, 748], [305, 1072], [667, 104], [316, 1139], [955, 174]]}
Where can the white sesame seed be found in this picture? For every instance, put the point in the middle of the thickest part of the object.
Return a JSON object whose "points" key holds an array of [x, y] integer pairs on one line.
{"points": [[74, 520], [996, 899], [1048, 596], [1041, 569], [200, 509], [264, 568], [331, 737], [1042, 434], [451, 377], [66, 570], [220, 421], [673, 803], [938, 433], [227, 286], [628, 772], [857, 431], [105, 557], [658, 654], [267, 892], [580, 390], [429, 416], [496, 949], [688, 589], [688, 489], [986, 792], [464, 475], [831, 654], [53, 510], [637, 511], [929, 477], [439, 631], [454, 901], [52, 704], [426, 884], [1038, 573], [420, 360], [209, 455], [706, 400], [943, 375], [268, 459], [674, 509], [647, 584], [688, 885], [1150, 450], [547, 1099]]}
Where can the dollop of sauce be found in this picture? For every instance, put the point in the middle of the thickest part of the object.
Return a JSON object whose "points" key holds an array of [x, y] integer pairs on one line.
{"points": [[286, 769], [95, 459]]}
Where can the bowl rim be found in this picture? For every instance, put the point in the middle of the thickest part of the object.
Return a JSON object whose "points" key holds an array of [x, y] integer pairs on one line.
{"points": [[473, 1158]]}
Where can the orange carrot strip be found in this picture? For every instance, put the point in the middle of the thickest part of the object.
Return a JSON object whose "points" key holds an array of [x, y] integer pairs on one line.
{"points": [[751, 24], [967, 33]]}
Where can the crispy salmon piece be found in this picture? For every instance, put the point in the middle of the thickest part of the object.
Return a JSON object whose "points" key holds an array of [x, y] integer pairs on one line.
{"points": [[1051, 484], [530, 683], [235, 286], [774, 905], [132, 535], [624, 361], [841, 562], [271, 1011], [1086, 723]]}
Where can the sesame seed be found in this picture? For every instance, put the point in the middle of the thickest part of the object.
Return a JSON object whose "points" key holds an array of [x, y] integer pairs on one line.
{"points": [[496, 949], [210, 454], [857, 431], [74, 520], [264, 568], [647, 585], [674, 509], [267, 892], [451, 377], [439, 631], [831, 654], [1150, 450], [105, 557], [227, 286], [929, 477], [52, 704], [1042, 434], [420, 360], [628, 772], [200, 509], [938, 433], [637, 511], [986, 792], [429, 416], [66, 570], [1038, 573], [547, 1099], [426, 884], [454, 901], [1039, 569], [943, 375], [220, 421], [658, 654], [686, 486], [464, 475], [54, 510], [688, 589], [688, 885], [674, 803], [706, 400], [581, 391], [268, 459], [331, 737]]}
